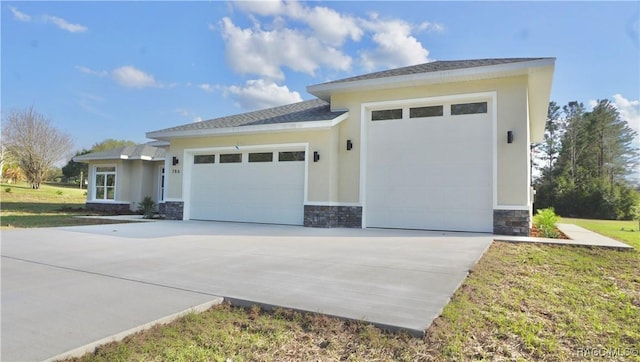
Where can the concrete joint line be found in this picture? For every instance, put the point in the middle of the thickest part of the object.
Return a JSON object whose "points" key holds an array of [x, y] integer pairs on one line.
{"points": [[109, 276]]}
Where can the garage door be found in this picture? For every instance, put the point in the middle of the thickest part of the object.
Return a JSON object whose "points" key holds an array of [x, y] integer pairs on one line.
{"points": [[430, 167], [263, 187]]}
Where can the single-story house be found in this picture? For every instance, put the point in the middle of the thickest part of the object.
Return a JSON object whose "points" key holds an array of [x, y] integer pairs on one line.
{"points": [[443, 145], [122, 177]]}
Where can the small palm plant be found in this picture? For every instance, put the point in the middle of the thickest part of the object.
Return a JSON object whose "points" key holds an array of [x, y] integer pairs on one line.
{"points": [[545, 220], [147, 207]]}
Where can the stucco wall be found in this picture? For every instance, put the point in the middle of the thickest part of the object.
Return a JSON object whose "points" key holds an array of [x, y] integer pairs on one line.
{"points": [[135, 179], [322, 175], [513, 170], [336, 178]]}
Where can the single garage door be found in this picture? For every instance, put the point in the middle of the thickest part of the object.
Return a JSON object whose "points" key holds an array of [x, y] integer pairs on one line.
{"points": [[430, 167], [262, 187]]}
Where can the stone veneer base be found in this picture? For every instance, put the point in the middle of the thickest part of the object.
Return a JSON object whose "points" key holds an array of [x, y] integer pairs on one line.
{"points": [[108, 207], [172, 210], [333, 216], [511, 222]]}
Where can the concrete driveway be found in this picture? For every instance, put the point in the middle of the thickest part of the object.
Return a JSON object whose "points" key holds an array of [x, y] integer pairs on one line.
{"points": [[63, 288]]}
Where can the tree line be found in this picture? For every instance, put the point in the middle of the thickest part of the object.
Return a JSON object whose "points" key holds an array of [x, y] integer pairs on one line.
{"points": [[585, 161]]}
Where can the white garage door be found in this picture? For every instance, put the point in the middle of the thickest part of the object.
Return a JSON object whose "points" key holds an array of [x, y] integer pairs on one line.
{"points": [[430, 167], [263, 187]]}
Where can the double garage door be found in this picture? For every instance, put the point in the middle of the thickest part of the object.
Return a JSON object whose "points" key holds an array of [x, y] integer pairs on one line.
{"points": [[430, 167], [262, 186]]}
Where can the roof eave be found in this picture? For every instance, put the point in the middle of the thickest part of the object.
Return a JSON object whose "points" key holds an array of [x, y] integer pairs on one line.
{"points": [[245, 130], [539, 95], [116, 158], [324, 90]]}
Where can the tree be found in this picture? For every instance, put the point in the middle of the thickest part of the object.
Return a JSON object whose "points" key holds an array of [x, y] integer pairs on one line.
{"points": [[588, 178], [550, 146], [36, 145], [110, 144], [73, 169]]}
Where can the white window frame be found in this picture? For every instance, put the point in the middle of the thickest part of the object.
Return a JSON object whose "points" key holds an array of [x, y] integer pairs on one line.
{"points": [[94, 186], [162, 182]]}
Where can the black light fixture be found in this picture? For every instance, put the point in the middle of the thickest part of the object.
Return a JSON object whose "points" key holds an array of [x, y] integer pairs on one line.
{"points": [[174, 160], [316, 156], [349, 145], [509, 136]]}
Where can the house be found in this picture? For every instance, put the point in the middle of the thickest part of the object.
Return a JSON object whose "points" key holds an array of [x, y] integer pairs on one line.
{"points": [[442, 146], [121, 177]]}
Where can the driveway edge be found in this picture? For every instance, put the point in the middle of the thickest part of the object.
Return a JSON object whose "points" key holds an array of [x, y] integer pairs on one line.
{"points": [[91, 347]]}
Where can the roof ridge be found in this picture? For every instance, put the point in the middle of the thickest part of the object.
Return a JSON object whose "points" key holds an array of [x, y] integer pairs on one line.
{"points": [[433, 66]]}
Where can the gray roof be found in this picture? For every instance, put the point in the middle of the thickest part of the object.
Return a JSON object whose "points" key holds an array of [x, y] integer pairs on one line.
{"points": [[319, 109], [305, 111], [437, 66], [138, 152]]}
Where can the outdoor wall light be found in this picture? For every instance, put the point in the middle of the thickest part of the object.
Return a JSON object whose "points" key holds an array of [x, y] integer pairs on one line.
{"points": [[349, 145], [174, 160], [316, 156], [509, 136]]}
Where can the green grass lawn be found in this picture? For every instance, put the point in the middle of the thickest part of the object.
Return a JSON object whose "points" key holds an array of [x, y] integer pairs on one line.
{"points": [[625, 231], [49, 206]]}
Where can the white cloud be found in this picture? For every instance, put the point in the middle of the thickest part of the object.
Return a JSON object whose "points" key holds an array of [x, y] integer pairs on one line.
{"points": [[206, 87], [306, 38], [629, 111], [327, 25], [264, 52], [87, 70], [264, 7], [129, 76], [64, 25], [19, 15], [431, 27], [261, 94], [396, 47]]}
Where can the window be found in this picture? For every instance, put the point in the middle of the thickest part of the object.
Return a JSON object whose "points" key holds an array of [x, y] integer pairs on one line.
{"points": [[105, 184], [261, 157], [468, 108], [431, 111], [386, 114], [291, 156], [204, 159], [161, 185], [231, 158]]}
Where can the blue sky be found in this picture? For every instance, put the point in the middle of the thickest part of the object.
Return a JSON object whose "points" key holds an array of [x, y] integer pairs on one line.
{"points": [[119, 69]]}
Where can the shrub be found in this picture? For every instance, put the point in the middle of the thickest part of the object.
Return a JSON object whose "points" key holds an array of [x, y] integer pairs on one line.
{"points": [[545, 220], [147, 207], [59, 193], [7, 190]]}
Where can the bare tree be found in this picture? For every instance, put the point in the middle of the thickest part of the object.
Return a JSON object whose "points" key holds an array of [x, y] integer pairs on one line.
{"points": [[31, 139]]}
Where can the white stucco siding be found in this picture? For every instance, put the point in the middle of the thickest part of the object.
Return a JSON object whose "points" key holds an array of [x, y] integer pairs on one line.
{"points": [[321, 176], [512, 177]]}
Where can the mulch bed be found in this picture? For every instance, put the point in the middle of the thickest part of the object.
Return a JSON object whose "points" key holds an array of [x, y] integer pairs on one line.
{"points": [[534, 232]]}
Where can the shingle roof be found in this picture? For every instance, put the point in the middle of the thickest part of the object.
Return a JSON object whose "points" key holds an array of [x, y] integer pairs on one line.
{"points": [[437, 66], [305, 111], [128, 152]]}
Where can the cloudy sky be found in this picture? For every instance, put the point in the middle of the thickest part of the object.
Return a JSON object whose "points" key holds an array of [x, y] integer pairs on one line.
{"points": [[119, 69]]}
